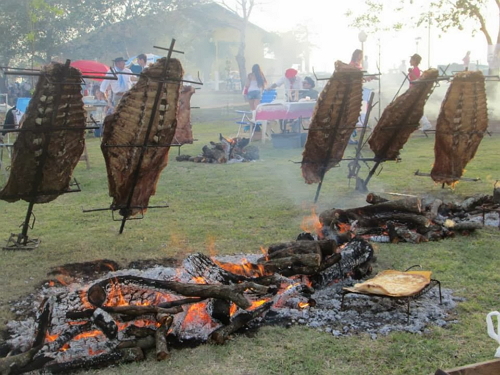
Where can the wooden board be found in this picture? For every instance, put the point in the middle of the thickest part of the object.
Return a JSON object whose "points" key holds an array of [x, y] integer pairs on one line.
{"points": [[482, 368]]}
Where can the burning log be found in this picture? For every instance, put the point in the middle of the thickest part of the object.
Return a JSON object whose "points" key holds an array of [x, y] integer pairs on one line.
{"points": [[221, 335], [165, 321], [97, 294], [355, 254], [303, 257], [105, 322]]}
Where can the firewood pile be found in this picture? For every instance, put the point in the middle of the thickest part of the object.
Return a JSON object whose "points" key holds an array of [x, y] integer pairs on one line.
{"points": [[227, 150], [127, 313], [411, 219]]}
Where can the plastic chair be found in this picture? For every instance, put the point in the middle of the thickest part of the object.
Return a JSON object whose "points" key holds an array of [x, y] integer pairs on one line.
{"points": [[247, 122]]}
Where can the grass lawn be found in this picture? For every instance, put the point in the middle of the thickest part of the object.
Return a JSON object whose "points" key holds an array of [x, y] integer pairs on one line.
{"points": [[237, 208]]}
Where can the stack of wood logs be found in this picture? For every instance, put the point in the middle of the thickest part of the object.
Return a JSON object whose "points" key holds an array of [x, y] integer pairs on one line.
{"points": [[410, 219]]}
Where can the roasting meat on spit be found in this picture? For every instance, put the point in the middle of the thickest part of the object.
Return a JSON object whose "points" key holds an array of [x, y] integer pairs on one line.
{"points": [[461, 124], [56, 103], [401, 118], [333, 121], [125, 133], [184, 131]]}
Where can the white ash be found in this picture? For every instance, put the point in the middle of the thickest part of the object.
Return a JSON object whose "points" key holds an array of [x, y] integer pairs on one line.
{"points": [[370, 314]]}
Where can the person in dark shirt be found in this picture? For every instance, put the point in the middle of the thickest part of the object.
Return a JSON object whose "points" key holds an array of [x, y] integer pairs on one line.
{"points": [[10, 120], [308, 89]]}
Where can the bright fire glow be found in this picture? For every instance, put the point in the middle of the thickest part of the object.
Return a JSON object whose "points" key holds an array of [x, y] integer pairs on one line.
{"points": [[264, 251], [311, 224], [197, 314], [258, 303], [115, 294], [246, 269], [303, 305]]}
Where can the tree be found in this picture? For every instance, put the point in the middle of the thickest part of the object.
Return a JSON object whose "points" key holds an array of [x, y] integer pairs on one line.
{"points": [[244, 9], [445, 14]]}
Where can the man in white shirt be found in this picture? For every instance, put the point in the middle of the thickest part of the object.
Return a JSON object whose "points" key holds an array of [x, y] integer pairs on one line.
{"points": [[293, 85], [117, 87]]}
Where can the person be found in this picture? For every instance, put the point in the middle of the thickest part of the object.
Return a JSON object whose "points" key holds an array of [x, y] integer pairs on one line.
{"points": [[466, 60], [414, 71], [10, 120], [142, 61], [255, 83], [292, 83], [357, 59], [117, 87], [308, 91]]}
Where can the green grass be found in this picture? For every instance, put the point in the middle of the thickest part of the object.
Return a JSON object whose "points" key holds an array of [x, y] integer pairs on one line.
{"points": [[239, 208]]}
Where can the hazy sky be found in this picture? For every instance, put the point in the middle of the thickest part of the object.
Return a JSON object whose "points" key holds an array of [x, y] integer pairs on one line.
{"points": [[336, 40]]}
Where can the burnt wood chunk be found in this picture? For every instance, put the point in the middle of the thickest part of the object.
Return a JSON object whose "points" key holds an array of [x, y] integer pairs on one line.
{"points": [[460, 127], [56, 103], [333, 121], [135, 154], [401, 118], [233, 293]]}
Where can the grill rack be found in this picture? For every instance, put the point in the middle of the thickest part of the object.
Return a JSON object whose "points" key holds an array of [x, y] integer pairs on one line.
{"points": [[407, 299]]}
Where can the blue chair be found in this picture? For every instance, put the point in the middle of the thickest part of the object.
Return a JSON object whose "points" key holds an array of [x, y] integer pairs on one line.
{"points": [[268, 96]]}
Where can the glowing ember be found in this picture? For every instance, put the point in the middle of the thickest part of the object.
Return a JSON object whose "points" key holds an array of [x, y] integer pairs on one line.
{"points": [[303, 305], [50, 338], [197, 315], [311, 224], [199, 280], [88, 334]]}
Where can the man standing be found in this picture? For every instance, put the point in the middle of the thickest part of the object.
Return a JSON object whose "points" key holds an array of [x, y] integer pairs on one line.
{"points": [[117, 87]]}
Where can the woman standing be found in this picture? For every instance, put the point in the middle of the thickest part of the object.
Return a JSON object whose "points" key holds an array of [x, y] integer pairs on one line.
{"points": [[255, 83]]}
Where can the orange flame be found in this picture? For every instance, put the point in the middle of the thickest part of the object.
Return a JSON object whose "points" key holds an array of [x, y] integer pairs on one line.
{"points": [[83, 299], [50, 338], [115, 293], [197, 313], [311, 224], [246, 269], [258, 303], [233, 309], [264, 251]]}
